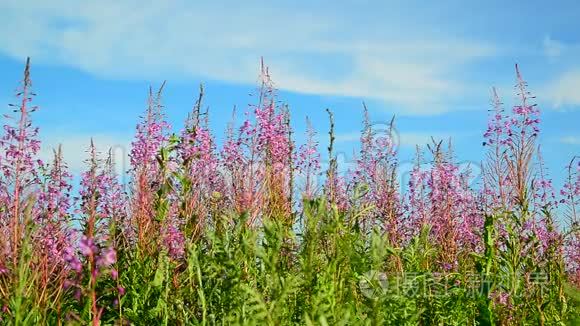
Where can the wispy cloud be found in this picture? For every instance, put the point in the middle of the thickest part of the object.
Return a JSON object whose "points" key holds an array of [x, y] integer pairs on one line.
{"points": [[75, 147], [315, 53], [564, 91], [552, 48], [404, 139], [570, 140], [413, 139], [347, 137]]}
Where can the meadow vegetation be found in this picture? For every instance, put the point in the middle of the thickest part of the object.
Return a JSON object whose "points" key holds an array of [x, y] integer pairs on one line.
{"points": [[255, 231]]}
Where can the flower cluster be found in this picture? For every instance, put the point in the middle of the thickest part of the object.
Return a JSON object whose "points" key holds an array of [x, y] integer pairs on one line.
{"points": [[186, 193], [376, 169], [308, 162], [151, 134], [19, 166]]}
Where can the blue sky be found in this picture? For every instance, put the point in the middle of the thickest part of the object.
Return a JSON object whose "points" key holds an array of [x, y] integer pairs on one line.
{"points": [[431, 64]]}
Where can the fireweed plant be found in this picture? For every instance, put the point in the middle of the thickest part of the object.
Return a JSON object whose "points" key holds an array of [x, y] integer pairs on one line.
{"points": [[246, 233]]}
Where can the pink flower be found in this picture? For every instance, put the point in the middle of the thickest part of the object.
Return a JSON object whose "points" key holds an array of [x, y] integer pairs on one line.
{"points": [[173, 239], [19, 164], [67, 284], [72, 260], [87, 246], [107, 258], [308, 162], [376, 170], [500, 297]]}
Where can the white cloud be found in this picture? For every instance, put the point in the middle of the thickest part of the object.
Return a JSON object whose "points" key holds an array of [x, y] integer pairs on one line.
{"points": [[347, 137], [564, 91], [570, 140], [552, 48], [75, 146], [413, 139], [314, 53]]}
